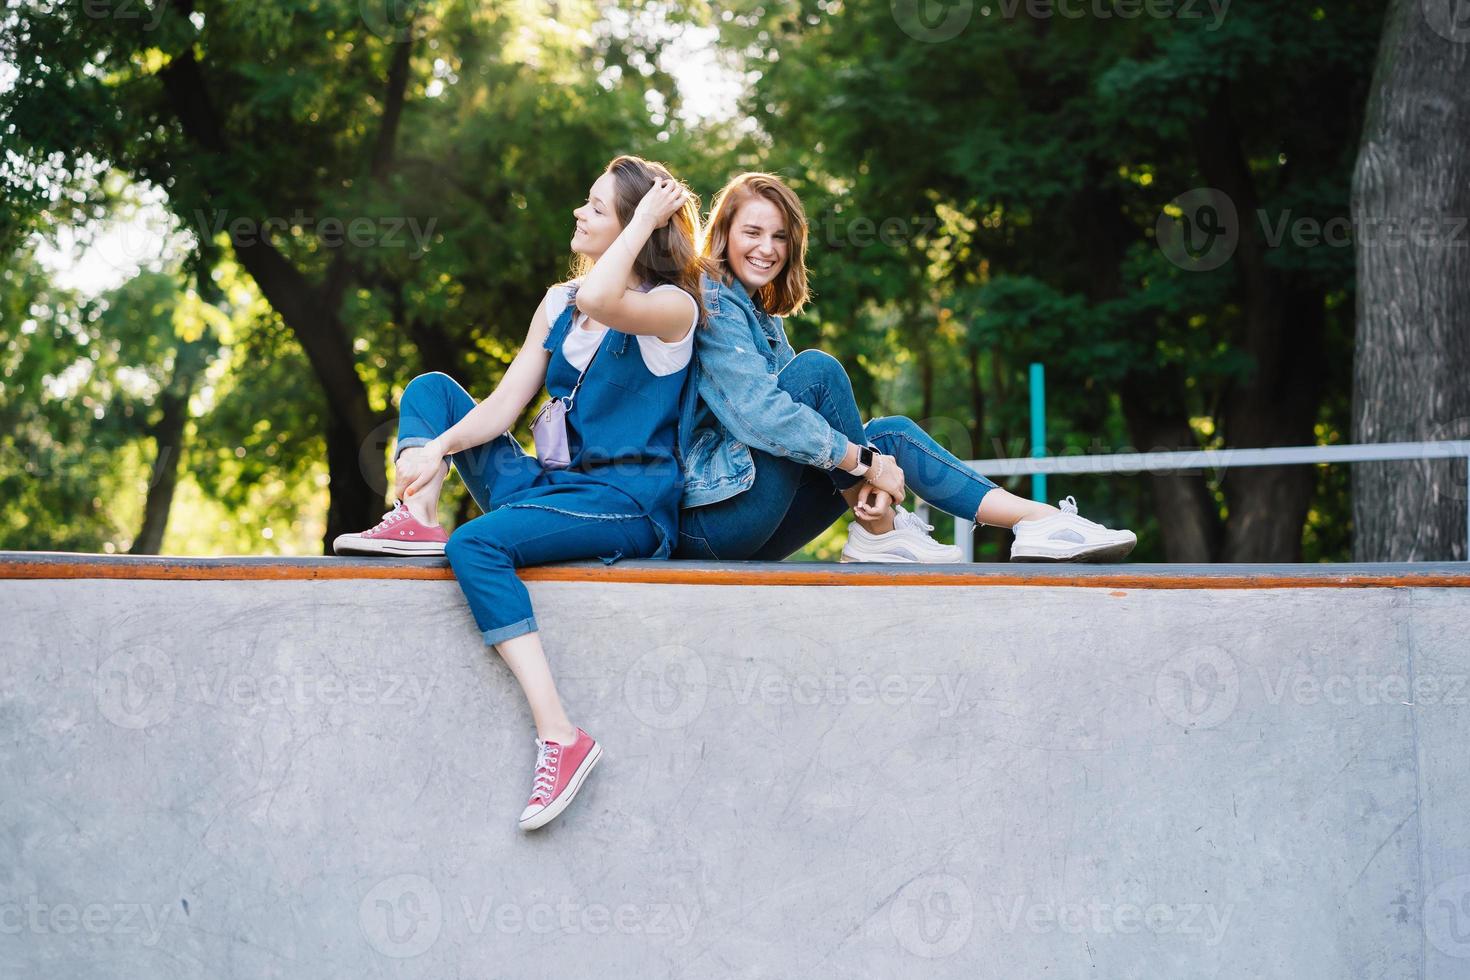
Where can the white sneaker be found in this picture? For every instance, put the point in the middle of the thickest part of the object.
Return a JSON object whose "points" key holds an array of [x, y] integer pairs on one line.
{"points": [[1068, 537], [909, 541]]}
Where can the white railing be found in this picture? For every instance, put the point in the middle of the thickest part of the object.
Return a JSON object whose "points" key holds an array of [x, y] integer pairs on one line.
{"points": [[1216, 459]]}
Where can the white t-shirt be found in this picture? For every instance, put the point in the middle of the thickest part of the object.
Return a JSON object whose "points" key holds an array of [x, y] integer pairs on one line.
{"points": [[661, 358]]}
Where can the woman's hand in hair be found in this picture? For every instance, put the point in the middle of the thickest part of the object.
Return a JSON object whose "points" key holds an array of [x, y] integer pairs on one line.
{"points": [[662, 202]]}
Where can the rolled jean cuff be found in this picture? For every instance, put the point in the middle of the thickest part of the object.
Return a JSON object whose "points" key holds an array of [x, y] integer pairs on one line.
{"points": [[502, 633], [409, 442]]}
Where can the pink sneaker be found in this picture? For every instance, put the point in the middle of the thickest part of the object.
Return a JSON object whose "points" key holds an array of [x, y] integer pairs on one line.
{"points": [[398, 533], [560, 772]]}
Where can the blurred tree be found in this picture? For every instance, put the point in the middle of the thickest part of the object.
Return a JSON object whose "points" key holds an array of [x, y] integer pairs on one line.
{"points": [[397, 180], [165, 338], [57, 465], [1023, 165], [85, 385]]}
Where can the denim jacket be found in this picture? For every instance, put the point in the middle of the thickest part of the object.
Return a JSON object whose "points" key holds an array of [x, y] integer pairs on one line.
{"points": [[741, 349]]}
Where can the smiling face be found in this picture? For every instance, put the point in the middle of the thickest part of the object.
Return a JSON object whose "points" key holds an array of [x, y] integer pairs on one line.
{"points": [[758, 246], [597, 220]]}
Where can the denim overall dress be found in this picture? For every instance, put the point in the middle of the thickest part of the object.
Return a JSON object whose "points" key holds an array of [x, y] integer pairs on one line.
{"points": [[619, 498]]}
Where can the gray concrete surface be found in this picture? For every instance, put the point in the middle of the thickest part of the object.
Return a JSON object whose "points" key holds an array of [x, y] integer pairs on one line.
{"points": [[320, 780]]}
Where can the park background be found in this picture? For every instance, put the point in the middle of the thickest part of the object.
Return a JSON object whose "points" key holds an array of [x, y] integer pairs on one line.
{"points": [[232, 232]]}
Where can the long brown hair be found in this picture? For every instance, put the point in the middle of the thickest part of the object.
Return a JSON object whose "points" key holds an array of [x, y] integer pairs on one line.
{"points": [[671, 254], [788, 292]]}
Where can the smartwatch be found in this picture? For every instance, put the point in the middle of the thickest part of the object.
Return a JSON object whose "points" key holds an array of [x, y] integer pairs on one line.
{"points": [[865, 460]]}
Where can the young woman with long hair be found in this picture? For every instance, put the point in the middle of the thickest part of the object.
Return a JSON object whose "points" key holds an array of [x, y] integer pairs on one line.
{"points": [[780, 449], [612, 347]]}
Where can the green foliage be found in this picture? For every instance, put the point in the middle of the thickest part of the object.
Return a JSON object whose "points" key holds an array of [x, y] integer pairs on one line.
{"points": [[977, 203], [1031, 159]]}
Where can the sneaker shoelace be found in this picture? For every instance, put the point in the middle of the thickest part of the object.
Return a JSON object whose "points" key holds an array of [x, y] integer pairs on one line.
{"points": [[1069, 506], [904, 518], [546, 761], [394, 516]]}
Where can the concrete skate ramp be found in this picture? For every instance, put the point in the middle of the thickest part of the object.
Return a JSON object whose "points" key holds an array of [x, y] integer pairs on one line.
{"points": [[312, 768]]}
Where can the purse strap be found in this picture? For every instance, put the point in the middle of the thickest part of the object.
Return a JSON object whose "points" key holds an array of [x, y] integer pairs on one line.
{"points": [[606, 332], [581, 377]]}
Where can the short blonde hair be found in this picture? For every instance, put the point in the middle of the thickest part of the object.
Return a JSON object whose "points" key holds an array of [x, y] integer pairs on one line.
{"points": [[788, 292]]}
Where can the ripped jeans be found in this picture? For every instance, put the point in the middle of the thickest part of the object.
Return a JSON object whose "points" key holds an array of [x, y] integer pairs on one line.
{"points": [[486, 551]]}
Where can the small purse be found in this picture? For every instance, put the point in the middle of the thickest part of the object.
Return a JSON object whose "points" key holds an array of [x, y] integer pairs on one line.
{"points": [[549, 428]]}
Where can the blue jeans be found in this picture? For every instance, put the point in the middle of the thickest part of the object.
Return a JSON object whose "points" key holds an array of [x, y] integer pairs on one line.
{"points": [[789, 503], [486, 551]]}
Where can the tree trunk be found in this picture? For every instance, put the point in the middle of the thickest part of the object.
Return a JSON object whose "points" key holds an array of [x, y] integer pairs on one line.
{"points": [[357, 475], [1153, 403], [1276, 404], [1189, 520], [977, 400], [168, 442], [926, 380], [1411, 199]]}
